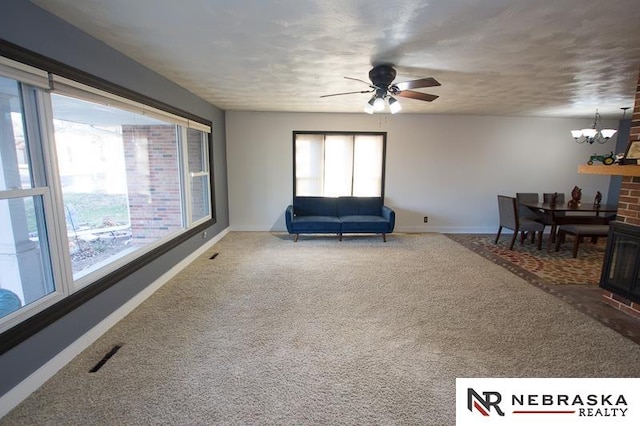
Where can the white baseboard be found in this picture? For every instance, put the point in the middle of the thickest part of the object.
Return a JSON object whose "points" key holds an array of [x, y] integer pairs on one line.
{"points": [[448, 229], [408, 229], [25, 388]]}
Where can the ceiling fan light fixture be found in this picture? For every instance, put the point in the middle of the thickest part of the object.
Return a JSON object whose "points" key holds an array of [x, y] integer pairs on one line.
{"points": [[368, 108], [378, 104], [383, 89], [394, 105]]}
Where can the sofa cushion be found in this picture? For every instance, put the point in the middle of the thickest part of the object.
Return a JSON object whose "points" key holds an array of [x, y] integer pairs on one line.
{"points": [[316, 224], [315, 206], [353, 206], [364, 223]]}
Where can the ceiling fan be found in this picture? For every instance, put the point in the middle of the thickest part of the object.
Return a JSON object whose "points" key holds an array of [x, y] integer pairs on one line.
{"points": [[382, 87]]}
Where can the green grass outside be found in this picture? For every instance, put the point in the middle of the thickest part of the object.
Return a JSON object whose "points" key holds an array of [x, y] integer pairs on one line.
{"points": [[94, 209], [89, 210]]}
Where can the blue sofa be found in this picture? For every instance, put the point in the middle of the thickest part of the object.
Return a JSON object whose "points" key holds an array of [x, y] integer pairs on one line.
{"points": [[341, 215]]}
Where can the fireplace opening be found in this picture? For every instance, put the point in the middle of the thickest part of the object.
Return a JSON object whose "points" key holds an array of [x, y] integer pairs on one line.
{"points": [[621, 268]]}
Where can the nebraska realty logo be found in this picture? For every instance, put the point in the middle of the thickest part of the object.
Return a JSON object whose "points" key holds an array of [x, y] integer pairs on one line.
{"points": [[554, 401]]}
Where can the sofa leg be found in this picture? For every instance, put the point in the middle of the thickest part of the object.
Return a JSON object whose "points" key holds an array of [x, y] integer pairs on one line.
{"points": [[384, 237], [295, 238], [340, 236]]}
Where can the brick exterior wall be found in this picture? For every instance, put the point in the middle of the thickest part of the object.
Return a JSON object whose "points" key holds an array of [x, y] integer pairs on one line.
{"points": [[153, 181]]}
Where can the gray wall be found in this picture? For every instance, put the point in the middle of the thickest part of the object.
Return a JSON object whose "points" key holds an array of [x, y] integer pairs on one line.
{"points": [[447, 167], [624, 130], [26, 25]]}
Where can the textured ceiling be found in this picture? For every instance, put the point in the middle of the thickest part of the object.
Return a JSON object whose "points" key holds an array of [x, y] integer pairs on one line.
{"points": [[492, 57]]}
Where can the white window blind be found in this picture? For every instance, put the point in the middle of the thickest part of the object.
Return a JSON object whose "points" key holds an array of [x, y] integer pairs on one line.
{"points": [[309, 164], [367, 166], [340, 164]]}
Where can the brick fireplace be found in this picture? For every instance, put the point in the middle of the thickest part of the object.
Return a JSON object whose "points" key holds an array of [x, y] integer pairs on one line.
{"points": [[624, 293]]}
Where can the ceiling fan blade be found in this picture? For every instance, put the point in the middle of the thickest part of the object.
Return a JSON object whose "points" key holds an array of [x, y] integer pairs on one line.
{"points": [[416, 84], [417, 95], [346, 93], [361, 81]]}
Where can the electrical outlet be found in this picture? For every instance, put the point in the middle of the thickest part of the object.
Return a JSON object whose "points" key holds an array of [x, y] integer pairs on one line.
{"points": [[426, 219], [204, 234]]}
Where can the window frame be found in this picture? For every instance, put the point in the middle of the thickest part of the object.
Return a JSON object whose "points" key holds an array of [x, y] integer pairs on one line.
{"points": [[54, 307], [188, 175], [342, 133]]}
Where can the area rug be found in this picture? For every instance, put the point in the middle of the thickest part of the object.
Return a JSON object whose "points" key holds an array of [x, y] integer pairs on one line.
{"points": [[575, 281], [554, 267]]}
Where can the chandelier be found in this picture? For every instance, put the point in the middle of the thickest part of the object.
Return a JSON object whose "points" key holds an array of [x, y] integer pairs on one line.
{"points": [[594, 134]]}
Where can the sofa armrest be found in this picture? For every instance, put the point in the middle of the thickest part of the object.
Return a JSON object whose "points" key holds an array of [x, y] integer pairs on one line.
{"points": [[288, 217], [390, 216]]}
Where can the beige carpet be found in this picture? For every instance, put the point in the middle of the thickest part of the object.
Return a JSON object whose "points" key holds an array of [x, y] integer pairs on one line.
{"points": [[325, 332]]}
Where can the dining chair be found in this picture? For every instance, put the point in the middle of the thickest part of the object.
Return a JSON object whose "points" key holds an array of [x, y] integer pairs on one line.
{"points": [[532, 197], [526, 212], [547, 197], [510, 219], [580, 231], [527, 197]]}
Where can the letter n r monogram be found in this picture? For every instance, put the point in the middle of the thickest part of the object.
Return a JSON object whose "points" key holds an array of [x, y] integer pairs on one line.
{"points": [[484, 404]]}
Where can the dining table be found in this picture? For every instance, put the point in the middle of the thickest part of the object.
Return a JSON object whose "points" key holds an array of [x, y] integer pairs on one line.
{"points": [[569, 213]]}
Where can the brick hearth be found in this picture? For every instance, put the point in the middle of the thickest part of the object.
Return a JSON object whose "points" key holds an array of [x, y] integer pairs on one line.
{"points": [[621, 303]]}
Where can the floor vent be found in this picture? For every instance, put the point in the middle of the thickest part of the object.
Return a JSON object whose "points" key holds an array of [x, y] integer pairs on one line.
{"points": [[214, 256], [105, 358]]}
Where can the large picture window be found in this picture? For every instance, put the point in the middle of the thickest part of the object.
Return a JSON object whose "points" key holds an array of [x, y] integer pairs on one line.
{"points": [[120, 179], [339, 164], [89, 183]]}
